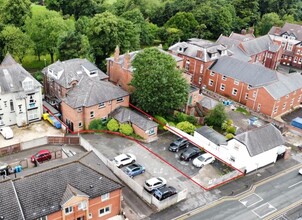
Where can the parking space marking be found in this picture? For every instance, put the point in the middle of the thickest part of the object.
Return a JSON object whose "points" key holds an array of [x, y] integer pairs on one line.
{"points": [[281, 217], [295, 184], [250, 200], [264, 210]]}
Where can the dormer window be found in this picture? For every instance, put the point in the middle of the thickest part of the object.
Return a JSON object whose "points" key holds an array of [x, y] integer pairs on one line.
{"points": [[214, 55], [27, 84], [223, 52], [180, 49]]}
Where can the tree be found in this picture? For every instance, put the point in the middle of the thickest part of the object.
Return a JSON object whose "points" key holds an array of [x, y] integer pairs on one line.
{"points": [[74, 45], [185, 22], [45, 28], [159, 85], [113, 125], [216, 117], [267, 21], [247, 12], [15, 12], [170, 36], [106, 31], [186, 127], [15, 41]]}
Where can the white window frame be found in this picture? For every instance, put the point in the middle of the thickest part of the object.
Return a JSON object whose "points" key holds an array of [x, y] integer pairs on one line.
{"points": [[254, 94], [234, 92], [102, 105], [82, 205], [249, 87], [258, 107], [105, 212], [236, 82], [151, 131], [70, 210], [222, 87], [90, 216], [92, 114], [121, 99], [79, 109], [300, 60], [80, 124], [299, 98], [201, 68], [211, 82], [246, 96], [276, 110], [289, 47], [284, 106], [224, 78], [295, 59], [292, 102], [212, 73], [105, 197]]}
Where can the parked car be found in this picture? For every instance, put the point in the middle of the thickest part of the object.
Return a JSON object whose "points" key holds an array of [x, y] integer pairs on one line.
{"points": [[190, 153], [178, 145], [203, 160], [6, 132], [3, 168], [41, 156], [154, 183], [300, 171], [164, 192], [134, 170], [124, 159]]}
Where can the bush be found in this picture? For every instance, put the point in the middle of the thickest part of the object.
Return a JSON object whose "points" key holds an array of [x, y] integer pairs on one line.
{"points": [[229, 136], [181, 117], [186, 127], [231, 129], [94, 124], [113, 125], [162, 122], [191, 119], [171, 124], [126, 129]]}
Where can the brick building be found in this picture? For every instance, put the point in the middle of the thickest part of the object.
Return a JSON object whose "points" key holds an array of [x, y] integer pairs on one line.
{"points": [[78, 188], [82, 91], [259, 88], [290, 38]]}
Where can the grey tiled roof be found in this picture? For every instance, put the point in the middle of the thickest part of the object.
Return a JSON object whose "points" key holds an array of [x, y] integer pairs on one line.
{"points": [[73, 70], [41, 190], [285, 85], [208, 102], [252, 74], [239, 54], [227, 41], [212, 135], [124, 115], [9, 207], [261, 139], [257, 45], [69, 193], [241, 37], [90, 92], [12, 74], [288, 28]]}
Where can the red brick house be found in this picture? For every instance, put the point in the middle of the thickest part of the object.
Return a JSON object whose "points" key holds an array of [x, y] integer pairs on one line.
{"points": [[82, 91], [80, 188], [259, 88], [197, 55], [290, 38]]}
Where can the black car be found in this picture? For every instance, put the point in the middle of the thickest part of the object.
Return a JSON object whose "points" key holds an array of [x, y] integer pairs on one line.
{"points": [[179, 144], [164, 192], [190, 153]]}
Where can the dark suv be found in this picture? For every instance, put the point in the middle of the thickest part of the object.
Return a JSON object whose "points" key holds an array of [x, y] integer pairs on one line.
{"points": [[190, 153], [179, 144], [164, 192]]}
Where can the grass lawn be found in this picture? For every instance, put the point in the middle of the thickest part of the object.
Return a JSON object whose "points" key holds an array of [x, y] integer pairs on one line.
{"points": [[32, 64], [242, 110]]}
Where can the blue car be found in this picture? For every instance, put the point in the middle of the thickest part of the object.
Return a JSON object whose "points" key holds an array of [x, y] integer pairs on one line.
{"points": [[134, 170]]}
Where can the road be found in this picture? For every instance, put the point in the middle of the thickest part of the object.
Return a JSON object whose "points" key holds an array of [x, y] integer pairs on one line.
{"points": [[268, 200]]}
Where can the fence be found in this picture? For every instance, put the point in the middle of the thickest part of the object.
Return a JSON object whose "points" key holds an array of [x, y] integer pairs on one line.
{"points": [[137, 188]]}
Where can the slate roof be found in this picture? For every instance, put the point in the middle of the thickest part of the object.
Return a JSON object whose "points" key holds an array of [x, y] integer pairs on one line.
{"points": [[73, 70], [71, 192], [241, 37], [252, 74], [239, 54], [208, 102], [261, 139], [124, 115], [194, 45], [42, 189], [12, 74], [288, 28], [285, 85], [90, 92], [227, 41], [257, 45], [212, 135]]}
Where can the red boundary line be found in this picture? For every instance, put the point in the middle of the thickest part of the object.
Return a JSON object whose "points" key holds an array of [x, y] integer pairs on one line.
{"points": [[146, 148]]}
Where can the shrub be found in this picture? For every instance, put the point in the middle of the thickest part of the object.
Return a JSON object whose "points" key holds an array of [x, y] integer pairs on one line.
{"points": [[126, 129], [162, 122], [113, 125], [181, 117], [186, 127], [191, 119], [94, 124], [231, 129], [171, 124], [229, 136]]}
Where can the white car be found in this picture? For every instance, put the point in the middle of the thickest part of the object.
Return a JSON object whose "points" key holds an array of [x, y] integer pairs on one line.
{"points": [[203, 160], [6, 132], [124, 159], [300, 171], [154, 183]]}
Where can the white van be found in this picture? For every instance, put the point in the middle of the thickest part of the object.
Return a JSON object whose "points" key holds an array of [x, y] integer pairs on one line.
{"points": [[6, 132]]}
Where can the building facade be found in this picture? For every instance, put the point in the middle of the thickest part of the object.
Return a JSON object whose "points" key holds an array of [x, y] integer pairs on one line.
{"points": [[20, 95]]}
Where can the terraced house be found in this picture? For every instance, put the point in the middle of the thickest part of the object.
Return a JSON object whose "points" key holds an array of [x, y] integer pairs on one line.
{"points": [[81, 92], [20, 94]]}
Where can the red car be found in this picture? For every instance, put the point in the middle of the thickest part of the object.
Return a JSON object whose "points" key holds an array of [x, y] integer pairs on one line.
{"points": [[41, 156]]}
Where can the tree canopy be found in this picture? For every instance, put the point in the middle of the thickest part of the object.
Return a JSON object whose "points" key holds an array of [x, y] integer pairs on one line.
{"points": [[159, 85], [14, 12], [216, 117]]}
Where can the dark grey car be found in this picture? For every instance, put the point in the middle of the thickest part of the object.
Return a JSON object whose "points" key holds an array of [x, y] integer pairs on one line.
{"points": [[190, 153], [178, 145]]}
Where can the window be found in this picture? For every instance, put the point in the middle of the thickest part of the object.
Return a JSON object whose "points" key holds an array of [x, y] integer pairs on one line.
{"points": [[292, 102], [11, 103], [212, 73], [105, 211], [101, 105], [151, 131], [234, 92], [80, 109], [285, 57], [68, 210], [232, 159], [298, 52], [20, 108], [287, 96], [105, 197], [254, 94], [90, 216], [258, 107], [300, 60], [284, 106], [201, 68], [236, 82], [120, 99], [283, 44], [42, 218], [92, 114], [211, 82], [80, 124], [82, 205], [289, 47], [275, 110], [5, 104], [199, 80], [299, 98], [224, 78], [27, 84], [246, 96], [187, 66], [249, 87], [222, 87], [295, 59]]}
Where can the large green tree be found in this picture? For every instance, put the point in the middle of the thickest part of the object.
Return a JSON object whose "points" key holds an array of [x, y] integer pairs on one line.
{"points": [[159, 85], [216, 117], [106, 31], [267, 21], [247, 12], [15, 41], [15, 12]]}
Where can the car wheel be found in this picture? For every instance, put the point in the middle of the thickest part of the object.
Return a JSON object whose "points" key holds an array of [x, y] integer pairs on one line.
{"points": [[177, 150], [143, 171]]}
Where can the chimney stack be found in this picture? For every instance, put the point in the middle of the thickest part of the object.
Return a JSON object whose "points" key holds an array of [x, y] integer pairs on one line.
{"points": [[251, 30], [116, 53], [127, 61], [243, 32]]}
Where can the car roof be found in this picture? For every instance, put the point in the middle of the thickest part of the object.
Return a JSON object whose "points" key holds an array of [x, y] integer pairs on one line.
{"points": [[206, 155], [131, 166], [165, 188], [153, 180], [121, 156], [43, 151]]}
